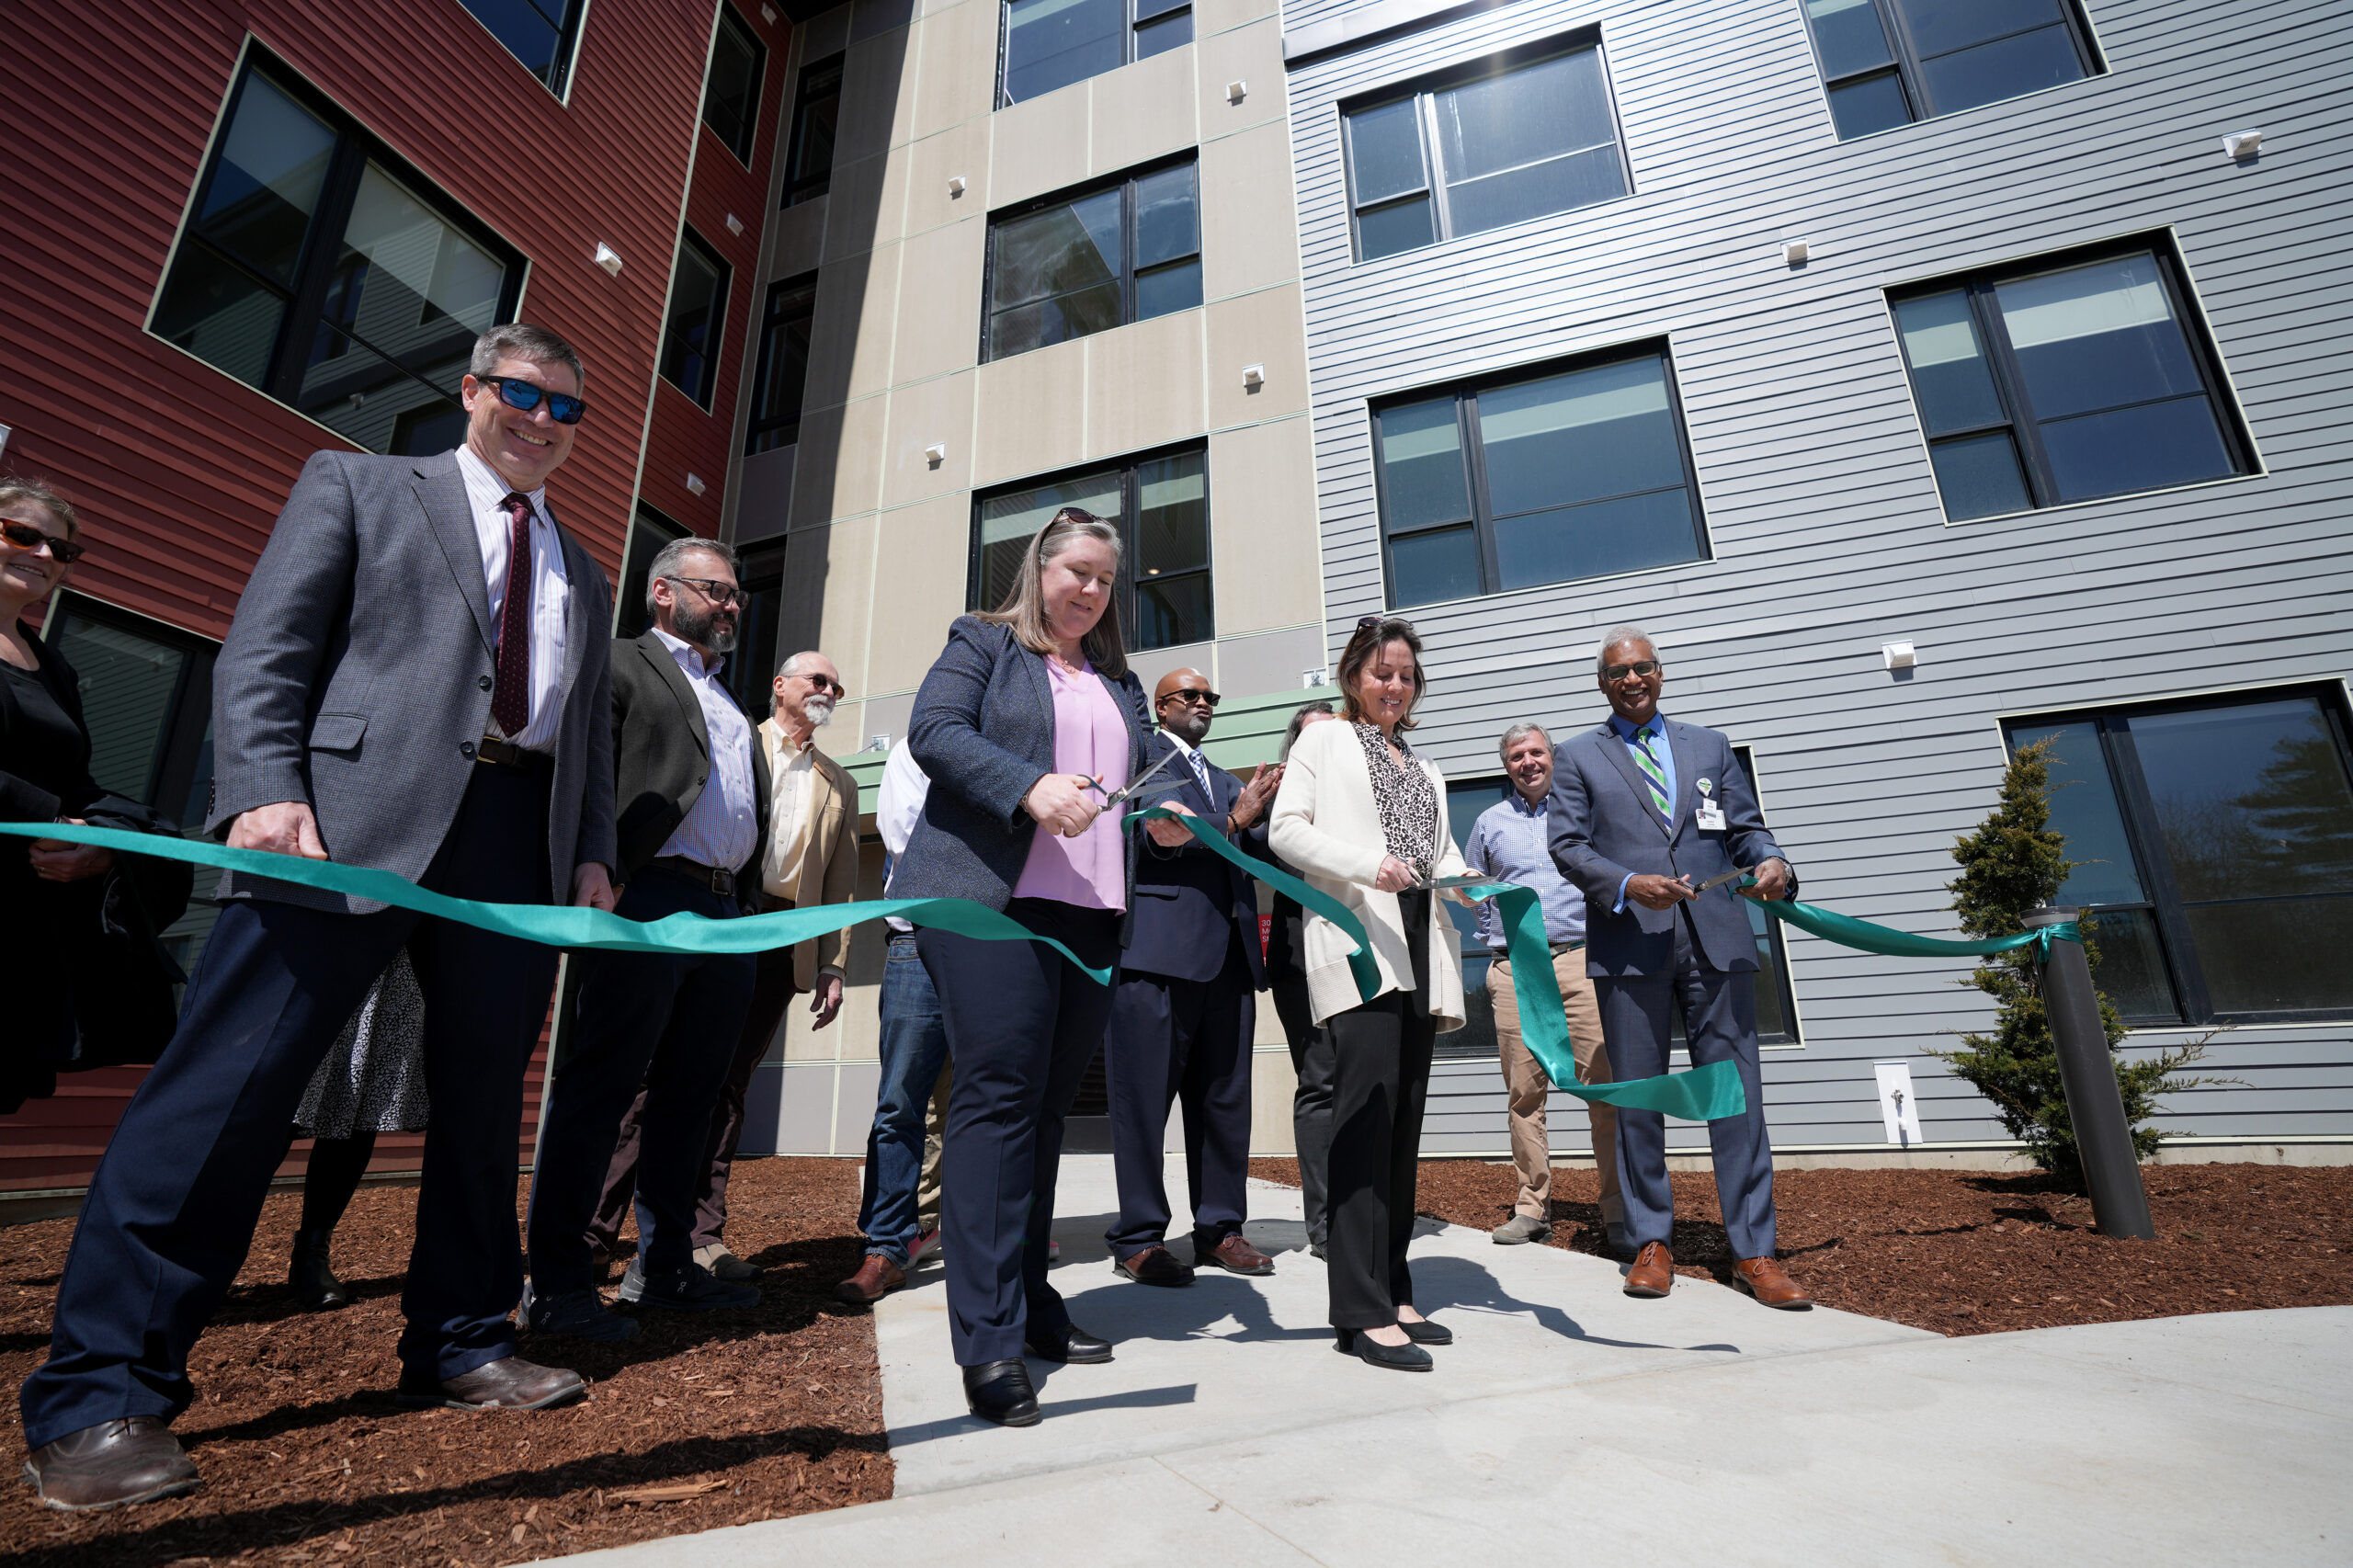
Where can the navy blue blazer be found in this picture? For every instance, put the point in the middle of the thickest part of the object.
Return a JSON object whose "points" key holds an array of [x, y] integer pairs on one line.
{"points": [[1604, 827], [1189, 901], [984, 731]]}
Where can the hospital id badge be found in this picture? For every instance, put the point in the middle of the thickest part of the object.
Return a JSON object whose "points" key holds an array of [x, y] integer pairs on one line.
{"points": [[1709, 818]]}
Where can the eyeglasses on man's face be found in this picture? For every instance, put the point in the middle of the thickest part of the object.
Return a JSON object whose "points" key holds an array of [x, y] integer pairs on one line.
{"points": [[1639, 667], [1205, 698], [724, 595], [524, 396], [822, 683], [24, 536]]}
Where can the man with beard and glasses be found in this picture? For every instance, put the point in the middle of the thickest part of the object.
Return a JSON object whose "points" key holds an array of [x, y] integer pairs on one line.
{"points": [[691, 811]]}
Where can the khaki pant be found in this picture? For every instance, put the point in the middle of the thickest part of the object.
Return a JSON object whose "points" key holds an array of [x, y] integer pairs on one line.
{"points": [[1527, 1086]]}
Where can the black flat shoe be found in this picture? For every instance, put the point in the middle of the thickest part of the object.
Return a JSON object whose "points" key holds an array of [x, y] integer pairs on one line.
{"points": [[1001, 1391], [1372, 1353], [1076, 1348], [1428, 1333]]}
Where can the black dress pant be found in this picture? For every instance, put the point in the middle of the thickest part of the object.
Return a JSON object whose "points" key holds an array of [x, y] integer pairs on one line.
{"points": [[1311, 1103], [657, 1029], [1381, 1083], [1022, 1023], [171, 1208], [1190, 1040]]}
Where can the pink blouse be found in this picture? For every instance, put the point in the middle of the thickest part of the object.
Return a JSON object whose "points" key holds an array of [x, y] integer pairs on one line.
{"points": [[1090, 737]]}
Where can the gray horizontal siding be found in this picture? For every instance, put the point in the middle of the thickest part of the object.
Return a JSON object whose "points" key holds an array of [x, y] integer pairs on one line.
{"points": [[1825, 532]]}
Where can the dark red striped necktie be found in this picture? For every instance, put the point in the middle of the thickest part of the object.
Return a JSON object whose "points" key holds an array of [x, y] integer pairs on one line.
{"points": [[510, 701]]}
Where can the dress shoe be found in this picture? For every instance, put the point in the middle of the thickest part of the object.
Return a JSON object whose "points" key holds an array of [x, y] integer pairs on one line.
{"points": [[1519, 1230], [1654, 1271], [511, 1384], [1766, 1280], [1001, 1391], [576, 1314], [725, 1264], [875, 1278], [314, 1286], [1317, 1249], [132, 1461], [1407, 1358], [1233, 1254], [1425, 1331], [1154, 1266], [1076, 1348], [688, 1289]]}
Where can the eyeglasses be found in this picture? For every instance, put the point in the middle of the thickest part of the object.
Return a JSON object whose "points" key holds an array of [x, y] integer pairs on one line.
{"points": [[524, 396], [24, 536], [1207, 698], [1639, 667], [824, 683], [718, 592]]}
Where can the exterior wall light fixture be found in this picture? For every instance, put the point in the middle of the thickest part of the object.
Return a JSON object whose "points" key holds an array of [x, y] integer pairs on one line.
{"points": [[936, 454], [694, 485], [955, 186], [1253, 376], [1795, 252], [2243, 143], [1900, 655], [609, 258]]}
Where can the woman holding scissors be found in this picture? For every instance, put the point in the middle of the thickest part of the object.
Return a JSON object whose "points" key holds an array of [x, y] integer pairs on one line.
{"points": [[1363, 817], [1031, 727]]}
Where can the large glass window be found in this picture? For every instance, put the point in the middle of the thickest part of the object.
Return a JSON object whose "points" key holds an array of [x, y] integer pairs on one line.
{"points": [[817, 110], [1512, 142], [783, 373], [2214, 840], [540, 33], [318, 270], [1052, 43], [2065, 385], [751, 668], [697, 314], [647, 534], [1162, 505], [1887, 63], [1078, 265], [1581, 473], [731, 94]]}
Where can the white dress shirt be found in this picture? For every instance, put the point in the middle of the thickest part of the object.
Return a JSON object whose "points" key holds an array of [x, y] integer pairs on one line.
{"points": [[722, 829], [550, 589], [1194, 760], [905, 787]]}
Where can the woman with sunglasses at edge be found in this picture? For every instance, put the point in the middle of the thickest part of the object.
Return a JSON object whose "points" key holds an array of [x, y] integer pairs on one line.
{"points": [[1363, 817], [1026, 723]]}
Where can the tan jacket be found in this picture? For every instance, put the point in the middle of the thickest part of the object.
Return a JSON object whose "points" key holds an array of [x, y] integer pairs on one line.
{"points": [[827, 872], [1326, 823]]}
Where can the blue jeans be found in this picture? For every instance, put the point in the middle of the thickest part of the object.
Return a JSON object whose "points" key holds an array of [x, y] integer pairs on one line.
{"points": [[914, 1048]]}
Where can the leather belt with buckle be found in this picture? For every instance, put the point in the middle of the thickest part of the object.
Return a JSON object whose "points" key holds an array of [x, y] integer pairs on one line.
{"points": [[717, 879], [507, 754]]}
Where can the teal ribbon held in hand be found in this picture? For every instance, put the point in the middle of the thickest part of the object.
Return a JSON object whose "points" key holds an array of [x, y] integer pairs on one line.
{"points": [[1862, 935], [1704, 1094], [565, 925]]}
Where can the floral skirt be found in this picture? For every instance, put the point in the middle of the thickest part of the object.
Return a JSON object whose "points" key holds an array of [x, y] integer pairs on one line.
{"points": [[373, 1077]]}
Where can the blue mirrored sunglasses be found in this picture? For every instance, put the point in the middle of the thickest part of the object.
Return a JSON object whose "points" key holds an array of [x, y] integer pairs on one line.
{"points": [[524, 396]]}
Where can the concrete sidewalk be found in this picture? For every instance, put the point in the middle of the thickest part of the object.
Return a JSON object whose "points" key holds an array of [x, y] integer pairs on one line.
{"points": [[1567, 1419]]}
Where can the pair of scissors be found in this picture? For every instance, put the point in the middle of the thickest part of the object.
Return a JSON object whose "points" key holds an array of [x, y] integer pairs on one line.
{"points": [[1112, 798]]}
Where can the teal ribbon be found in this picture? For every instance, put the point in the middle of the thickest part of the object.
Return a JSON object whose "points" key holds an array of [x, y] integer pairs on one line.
{"points": [[1704, 1094], [565, 925], [1850, 932]]}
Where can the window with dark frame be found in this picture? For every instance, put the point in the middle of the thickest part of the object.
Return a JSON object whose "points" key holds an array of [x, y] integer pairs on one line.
{"points": [[1519, 136], [2212, 839], [816, 110], [1069, 266], [697, 313], [1162, 505], [647, 534], [731, 93], [782, 374], [1889, 62], [1521, 480], [541, 33], [318, 268], [751, 668], [2066, 380], [1052, 43]]}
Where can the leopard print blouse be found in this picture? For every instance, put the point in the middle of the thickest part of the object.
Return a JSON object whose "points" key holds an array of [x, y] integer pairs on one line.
{"points": [[1408, 806]]}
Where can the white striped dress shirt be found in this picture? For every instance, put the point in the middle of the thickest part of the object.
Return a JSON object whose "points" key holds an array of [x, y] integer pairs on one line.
{"points": [[722, 829], [487, 495]]}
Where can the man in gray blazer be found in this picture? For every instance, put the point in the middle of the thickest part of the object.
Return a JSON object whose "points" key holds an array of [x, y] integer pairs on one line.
{"points": [[1645, 810], [417, 681]]}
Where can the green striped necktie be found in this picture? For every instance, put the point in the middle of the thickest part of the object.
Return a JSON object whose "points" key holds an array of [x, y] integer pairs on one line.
{"points": [[1652, 775]]}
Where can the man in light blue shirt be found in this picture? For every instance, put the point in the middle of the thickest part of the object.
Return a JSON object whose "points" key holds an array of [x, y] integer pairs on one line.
{"points": [[1511, 842]]}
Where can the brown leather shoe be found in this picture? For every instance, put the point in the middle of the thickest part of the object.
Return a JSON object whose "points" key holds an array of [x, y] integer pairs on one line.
{"points": [[132, 1460], [1154, 1266], [875, 1278], [1766, 1280], [1654, 1271], [511, 1384], [1233, 1254]]}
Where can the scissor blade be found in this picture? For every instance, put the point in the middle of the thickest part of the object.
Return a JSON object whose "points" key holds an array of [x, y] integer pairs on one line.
{"points": [[1142, 779], [1731, 876]]}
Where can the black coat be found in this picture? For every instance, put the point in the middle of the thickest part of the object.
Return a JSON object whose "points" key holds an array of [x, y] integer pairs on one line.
{"points": [[662, 758], [1190, 902]]}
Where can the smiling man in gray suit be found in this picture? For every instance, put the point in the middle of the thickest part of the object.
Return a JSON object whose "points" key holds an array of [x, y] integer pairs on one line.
{"points": [[417, 681], [1644, 811]]}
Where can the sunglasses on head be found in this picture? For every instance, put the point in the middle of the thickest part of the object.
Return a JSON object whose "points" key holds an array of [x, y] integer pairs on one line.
{"points": [[24, 536], [524, 396]]}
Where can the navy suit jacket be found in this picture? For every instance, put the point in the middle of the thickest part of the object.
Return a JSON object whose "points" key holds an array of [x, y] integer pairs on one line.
{"points": [[1604, 827], [1189, 902]]}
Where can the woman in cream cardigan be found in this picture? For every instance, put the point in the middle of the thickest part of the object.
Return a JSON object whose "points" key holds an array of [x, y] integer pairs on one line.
{"points": [[1363, 817]]}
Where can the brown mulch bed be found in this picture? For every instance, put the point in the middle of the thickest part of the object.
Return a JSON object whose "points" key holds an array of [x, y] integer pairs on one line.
{"points": [[741, 1416], [1970, 1252]]}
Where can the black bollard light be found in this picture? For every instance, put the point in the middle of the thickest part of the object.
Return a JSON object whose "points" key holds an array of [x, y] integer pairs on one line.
{"points": [[2095, 1107]]}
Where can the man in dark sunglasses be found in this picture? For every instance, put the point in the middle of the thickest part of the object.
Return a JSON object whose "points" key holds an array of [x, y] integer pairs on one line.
{"points": [[418, 681]]}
